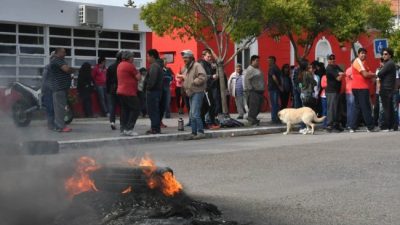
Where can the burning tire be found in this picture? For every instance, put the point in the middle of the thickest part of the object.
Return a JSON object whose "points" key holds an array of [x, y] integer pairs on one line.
{"points": [[20, 116]]}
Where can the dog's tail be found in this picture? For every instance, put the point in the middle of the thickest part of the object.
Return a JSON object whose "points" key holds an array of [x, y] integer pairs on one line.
{"points": [[319, 120]]}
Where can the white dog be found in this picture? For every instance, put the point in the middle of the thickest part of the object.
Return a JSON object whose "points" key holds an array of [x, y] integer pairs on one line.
{"points": [[294, 116]]}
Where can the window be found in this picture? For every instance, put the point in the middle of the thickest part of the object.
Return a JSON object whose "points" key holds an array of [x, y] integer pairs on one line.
{"points": [[84, 43], [130, 36], [108, 44], [11, 28], [84, 33], [109, 35], [67, 50], [8, 49], [33, 40], [31, 60], [31, 50], [60, 41], [79, 62], [30, 71], [85, 52], [30, 29], [8, 60], [107, 53], [60, 31], [130, 45], [8, 71], [5, 38]]}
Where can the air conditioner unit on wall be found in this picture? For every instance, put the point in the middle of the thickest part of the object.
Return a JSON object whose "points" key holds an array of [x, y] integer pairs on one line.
{"points": [[90, 16]]}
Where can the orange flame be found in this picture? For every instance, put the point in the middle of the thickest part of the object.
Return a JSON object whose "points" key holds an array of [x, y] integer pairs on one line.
{"points": [[167, 182], [170, 185], [126, 191], [80, 180]]}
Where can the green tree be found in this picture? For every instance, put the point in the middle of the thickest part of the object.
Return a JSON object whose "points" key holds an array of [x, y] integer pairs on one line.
{"points": [[300, 20], [130, 4], [219, 21], [394, 43], [357, 17]]}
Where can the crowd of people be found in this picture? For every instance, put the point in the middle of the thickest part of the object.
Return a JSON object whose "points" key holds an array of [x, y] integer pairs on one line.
{"points": [[348, 98]]}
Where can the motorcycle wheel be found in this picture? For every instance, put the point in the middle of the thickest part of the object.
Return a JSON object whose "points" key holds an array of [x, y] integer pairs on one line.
{"points": [[20, 117], [69, 115]]}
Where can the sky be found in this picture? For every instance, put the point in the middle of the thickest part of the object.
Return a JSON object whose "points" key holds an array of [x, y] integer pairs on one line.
{"points": [[112, 2]]}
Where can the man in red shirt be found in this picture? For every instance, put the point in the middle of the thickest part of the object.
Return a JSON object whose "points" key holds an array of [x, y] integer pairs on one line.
{"points": [[99, 78], [127, 89], [360, 87]]}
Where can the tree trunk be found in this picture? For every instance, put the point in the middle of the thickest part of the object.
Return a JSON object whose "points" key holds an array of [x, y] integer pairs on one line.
{"points": [[221, 77]]}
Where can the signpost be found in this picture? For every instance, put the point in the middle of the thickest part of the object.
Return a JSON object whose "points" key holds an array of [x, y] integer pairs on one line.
{"points": [[379, 45]]}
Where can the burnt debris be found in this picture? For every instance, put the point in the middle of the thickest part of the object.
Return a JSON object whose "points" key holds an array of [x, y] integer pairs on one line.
{"points": [[145, 208]]}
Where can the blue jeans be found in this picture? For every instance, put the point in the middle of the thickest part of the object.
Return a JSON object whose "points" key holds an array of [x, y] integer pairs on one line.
{"points": [[324, 103], [296, 99], [48, 103], [153, 109], [274, 99], [362, 106], [165, 102], [350, 109], [102, 98], [196, 101]]}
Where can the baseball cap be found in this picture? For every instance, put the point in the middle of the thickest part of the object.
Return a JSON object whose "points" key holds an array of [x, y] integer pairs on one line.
{"points": [[331, 57], [187, 53]]}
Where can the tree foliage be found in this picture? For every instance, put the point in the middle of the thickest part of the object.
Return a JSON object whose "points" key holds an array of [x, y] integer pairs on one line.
{"points": [[306, 19], [357, 17], [205, 21]]}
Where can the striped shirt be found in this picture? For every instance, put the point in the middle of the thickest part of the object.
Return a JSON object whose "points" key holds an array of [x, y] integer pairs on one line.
{"points": [[60, 80]]}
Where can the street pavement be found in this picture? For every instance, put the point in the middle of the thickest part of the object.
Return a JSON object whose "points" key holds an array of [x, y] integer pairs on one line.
{"points": [[322, 179], [96, 132]]}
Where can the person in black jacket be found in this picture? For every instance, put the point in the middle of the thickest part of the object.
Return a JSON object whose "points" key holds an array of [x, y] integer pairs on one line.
{"points": [[111, 88], [85, 88], [287, 86], [334, 76], [387, 77], [154, 83]]}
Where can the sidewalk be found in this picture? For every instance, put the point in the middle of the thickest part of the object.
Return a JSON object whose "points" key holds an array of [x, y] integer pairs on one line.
{"points": [[95, 132]]}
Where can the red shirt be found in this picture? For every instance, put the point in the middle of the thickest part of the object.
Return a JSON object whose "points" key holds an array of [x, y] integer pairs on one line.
{"points": [[99, 75], [127, 82], [359, 81]]}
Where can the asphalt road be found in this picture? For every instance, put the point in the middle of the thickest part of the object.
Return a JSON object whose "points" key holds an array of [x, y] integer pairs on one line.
{"points": [[346, 179]]}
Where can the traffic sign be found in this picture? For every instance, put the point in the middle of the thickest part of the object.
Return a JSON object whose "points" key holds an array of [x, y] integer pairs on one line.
{"points": [[379, 45]]}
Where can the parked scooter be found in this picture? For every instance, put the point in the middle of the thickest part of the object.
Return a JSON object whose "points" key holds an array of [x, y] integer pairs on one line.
{"points": [[30, 101]]}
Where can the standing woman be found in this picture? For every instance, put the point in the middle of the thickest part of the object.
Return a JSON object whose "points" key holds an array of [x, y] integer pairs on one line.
{"points": [[179, 94], [85, 88], [99, 77], [287, 86], [111, 87], [128, 78]]}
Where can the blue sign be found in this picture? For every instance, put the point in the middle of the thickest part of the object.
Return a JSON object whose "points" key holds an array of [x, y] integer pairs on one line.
{"points": [[379, 45]]}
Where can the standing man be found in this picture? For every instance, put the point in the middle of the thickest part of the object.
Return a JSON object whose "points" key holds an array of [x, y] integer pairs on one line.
{"points": [[362, 76], [61, 82], [99, 78], [213, 98], [274, 88], [387, 76], [195, 83], [254, 88], [334, 76], [154, 83], [111, 88], [47, 95], [128, 78], [235, 89]]}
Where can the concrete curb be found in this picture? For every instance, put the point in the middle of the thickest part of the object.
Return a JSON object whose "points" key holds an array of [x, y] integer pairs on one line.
{"points": [[118, 141]]}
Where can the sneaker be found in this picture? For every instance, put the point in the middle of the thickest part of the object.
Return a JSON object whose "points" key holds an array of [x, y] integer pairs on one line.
{"points": [[372, 130], [199, 136], [351, 131], [152, 131], [162, 125], [130, 133], [385, 130], [65, 129], [113, 127], [303, 131], [214, 127]]}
